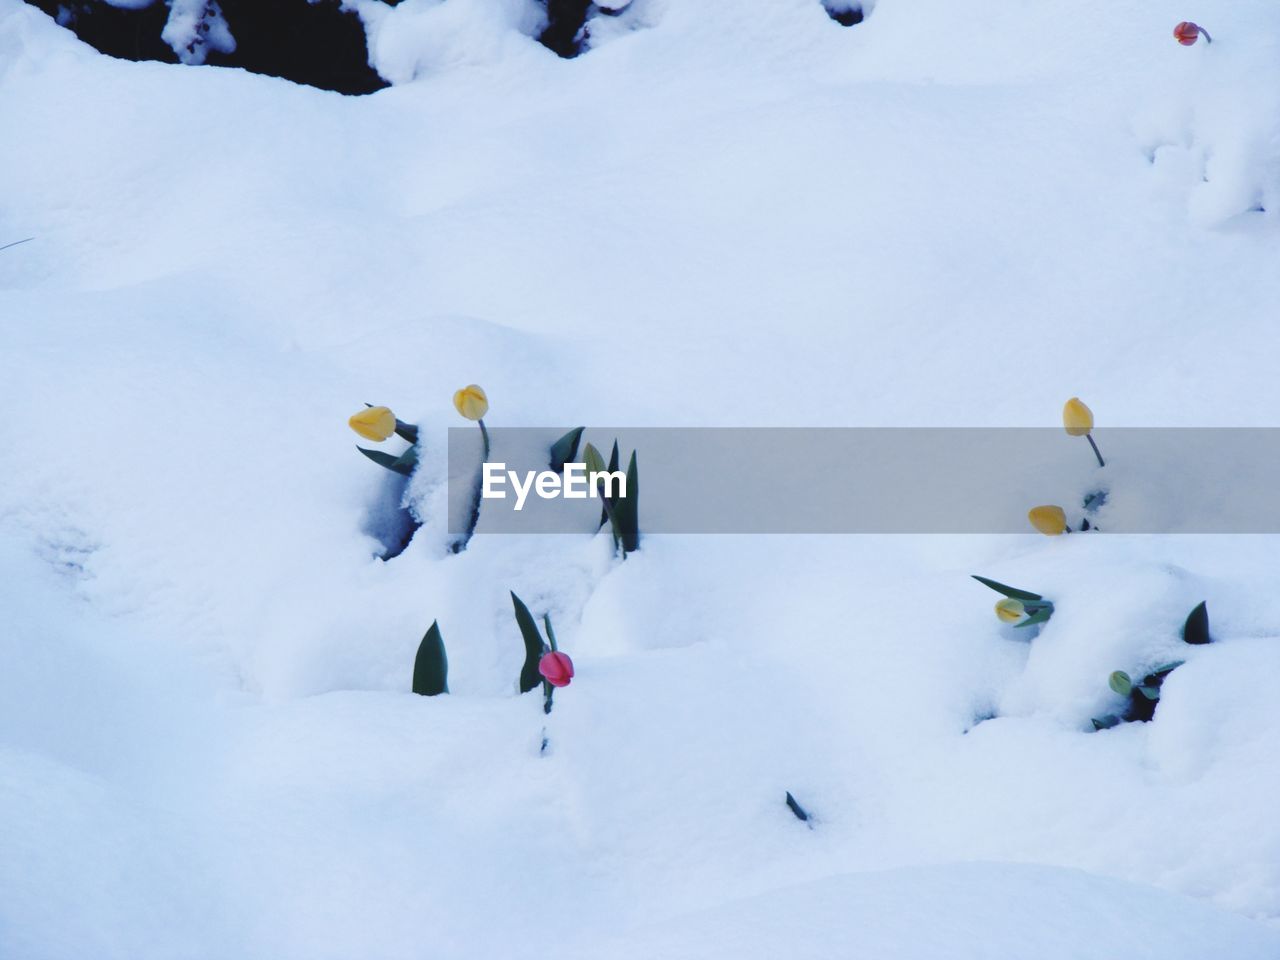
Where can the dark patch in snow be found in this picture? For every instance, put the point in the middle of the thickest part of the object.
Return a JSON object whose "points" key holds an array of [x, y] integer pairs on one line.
{"points": [[566, 27], [317, 44], [387, 521], [844, 13], [68, 551], [566, 32], [980, 718]]}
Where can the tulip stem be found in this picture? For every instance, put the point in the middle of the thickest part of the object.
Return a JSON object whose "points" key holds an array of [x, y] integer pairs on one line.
{"points": [[485, 433], [551, 634], [1096, 453], [1205, 34], [613, 519]]}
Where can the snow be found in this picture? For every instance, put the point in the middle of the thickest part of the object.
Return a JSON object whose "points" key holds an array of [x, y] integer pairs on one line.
{"points": [[1047, 912], [944, 216], [194, 28]]}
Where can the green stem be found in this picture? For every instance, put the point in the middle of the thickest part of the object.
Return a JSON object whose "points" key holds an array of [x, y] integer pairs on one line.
{"points": [[1089, 437], [613, 520], [484, 433], [551, 634]]}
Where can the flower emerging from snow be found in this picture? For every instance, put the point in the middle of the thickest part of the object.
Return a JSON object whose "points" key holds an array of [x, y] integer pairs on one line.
{"points": [[557, 668], [471, 402], [1187, 33], [1077, 419], [1010, 610], [1049, 520], [374, 423]]}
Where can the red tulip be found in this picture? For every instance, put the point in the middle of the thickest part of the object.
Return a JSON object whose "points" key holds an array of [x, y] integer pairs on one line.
{"points": [[557, 668], [1187, 33]]}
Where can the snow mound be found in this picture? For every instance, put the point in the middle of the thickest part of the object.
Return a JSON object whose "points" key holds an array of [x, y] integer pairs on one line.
{"points": [[979, 911], [947, 215]]}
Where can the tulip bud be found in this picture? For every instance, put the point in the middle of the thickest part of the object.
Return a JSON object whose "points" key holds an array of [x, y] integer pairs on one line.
{"points": [[1187, 33], [1120, 682], [1077, 419], [1049, 520], [1010, 610], [471, 402], [374, 423], [556, 668]]}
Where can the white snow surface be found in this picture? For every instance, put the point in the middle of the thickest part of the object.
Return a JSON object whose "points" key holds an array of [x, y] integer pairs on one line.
{"points": [[731, 215]]}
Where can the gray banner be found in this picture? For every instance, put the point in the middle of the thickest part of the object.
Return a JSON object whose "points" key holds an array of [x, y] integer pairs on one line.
{"points": [[881, 480]]}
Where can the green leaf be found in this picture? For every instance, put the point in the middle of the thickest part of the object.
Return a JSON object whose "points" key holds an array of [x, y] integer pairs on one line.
{"points": [[627, 510], [386, 460], [431, 667], [1121, 683], [1105, 723], [565, 450], [1196, 629], [533, 646], [613, 465], [1163, 671], [592, 460], [595, 464], [408, 431], [611, 512], [800, 812], [1038, 616], [1012, 592], [407, 461], [1150, 692]]}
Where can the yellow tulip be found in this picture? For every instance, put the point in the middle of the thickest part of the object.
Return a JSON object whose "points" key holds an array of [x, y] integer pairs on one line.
{"points": [[374, 423], [1010, 610], [1049, 520], [471, 402], [1077, 419]]}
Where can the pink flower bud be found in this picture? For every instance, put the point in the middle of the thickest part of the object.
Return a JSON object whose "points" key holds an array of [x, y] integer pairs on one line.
{"points": [[1187, 33], [557, 668]]}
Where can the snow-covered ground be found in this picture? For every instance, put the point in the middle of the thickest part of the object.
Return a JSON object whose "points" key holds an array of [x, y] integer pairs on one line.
{"points": [[732, 215]]}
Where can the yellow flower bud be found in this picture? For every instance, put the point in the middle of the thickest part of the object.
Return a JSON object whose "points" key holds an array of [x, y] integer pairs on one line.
{"points": [[1077, 419], [471, 402], [1049, 520], [1010, 610], [374, 423]]}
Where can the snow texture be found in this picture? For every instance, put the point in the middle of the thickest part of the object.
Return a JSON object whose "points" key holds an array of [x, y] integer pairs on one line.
{"points": [[947, 215]]}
